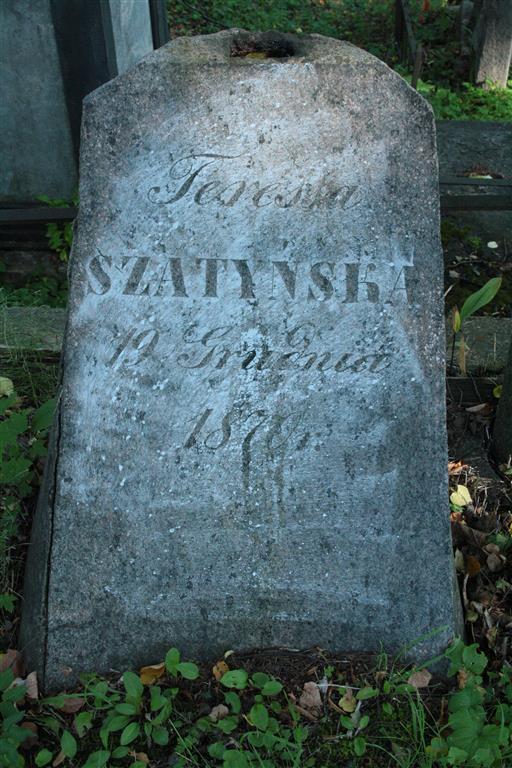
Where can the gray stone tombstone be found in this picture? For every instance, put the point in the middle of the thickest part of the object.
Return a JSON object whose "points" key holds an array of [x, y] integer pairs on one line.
{"points": [[251, 443], [493, 42], [52, 53]]}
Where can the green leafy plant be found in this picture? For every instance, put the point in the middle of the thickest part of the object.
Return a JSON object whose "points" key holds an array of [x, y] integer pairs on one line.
{"points": [[59, 235], [473, 304], [12, 734], [478, 732], [23, 442]]}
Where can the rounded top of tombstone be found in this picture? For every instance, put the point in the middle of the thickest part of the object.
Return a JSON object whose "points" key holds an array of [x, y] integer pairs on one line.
{"points": [[240, 48]]}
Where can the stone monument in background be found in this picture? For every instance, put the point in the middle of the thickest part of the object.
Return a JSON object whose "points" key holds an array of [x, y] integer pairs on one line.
{"points": [[52, 53], [250, 447]]}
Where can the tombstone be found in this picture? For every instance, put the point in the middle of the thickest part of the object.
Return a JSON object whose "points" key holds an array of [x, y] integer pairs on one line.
{"points": [[52, 53], [501, 446], [493, 43], [251, 445]]}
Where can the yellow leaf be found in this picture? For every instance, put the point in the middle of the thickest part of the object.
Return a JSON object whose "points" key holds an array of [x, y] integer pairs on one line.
{"points": [[456, 320], [149, 675], [348, 702], [461, 497], [220, 669], [498, 389]]}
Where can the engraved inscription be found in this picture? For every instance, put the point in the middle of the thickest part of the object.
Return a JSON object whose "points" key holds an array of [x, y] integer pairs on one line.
{"points": [[210, 278], [193, 176]]}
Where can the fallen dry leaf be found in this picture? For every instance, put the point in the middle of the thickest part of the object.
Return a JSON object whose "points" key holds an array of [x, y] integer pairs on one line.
{"points": [[220, 669], [12, 659], [218, 713], [32, 687], [149, 675], [59, 759], [30, 741], [472, 566], [420, 679], [455, 467], [72, 705], [484, 409], [141, 756], [310, 698], [462, 678]]}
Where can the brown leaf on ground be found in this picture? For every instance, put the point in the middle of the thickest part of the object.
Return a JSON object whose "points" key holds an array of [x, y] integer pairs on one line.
{"points": [[32, 687], [420, 679], [149, 675], [462, 678], [310, 701], [220, 669], [12, 660], [473, 566], [455, 467], [218, 713], [61, 757], [30, 741], [141, 756], [72, 705]]}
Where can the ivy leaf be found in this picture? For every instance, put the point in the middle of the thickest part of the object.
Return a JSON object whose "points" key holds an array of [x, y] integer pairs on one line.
{"points": [[129, 734], [366, 693], [188, 670], [172, 659], [258, 716], [43, 757], [133, 685], [68, 744], [235, 678], [359, 745], [272, 688], [97, 759]]}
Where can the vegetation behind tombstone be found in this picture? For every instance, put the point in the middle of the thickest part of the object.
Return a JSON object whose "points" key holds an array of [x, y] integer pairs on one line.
{"points": [[370, 25]]}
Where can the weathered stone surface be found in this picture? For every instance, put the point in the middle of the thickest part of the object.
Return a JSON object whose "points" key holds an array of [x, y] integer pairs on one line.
{"points": [[32, 329], [253, 367], [487, 341], [36, 148], [464, 145]]}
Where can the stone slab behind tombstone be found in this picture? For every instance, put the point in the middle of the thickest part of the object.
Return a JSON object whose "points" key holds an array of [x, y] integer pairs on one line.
{"points": [[52, 52], [253, 367], [36, 146]]}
